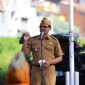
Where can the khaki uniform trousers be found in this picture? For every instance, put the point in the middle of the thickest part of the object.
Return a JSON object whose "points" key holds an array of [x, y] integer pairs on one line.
{"points": [[49, 75]]}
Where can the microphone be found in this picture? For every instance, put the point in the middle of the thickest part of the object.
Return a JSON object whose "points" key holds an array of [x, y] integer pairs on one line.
{"points": [[41, 35], [41, 62]]}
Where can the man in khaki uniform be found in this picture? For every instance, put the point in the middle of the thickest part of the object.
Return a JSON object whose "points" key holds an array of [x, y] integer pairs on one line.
{"points": [[46, 48]]}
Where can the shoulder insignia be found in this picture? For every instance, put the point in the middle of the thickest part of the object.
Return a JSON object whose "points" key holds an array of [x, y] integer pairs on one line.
{"points": [[35, 36], [53, 37]]}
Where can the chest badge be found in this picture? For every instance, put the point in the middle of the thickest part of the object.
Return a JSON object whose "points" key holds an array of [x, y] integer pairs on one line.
{"points": [[36, 49]]}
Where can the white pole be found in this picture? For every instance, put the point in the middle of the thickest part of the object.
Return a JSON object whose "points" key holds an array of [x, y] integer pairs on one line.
{"points": [[67, 78], [71, 44], [76, 78]]}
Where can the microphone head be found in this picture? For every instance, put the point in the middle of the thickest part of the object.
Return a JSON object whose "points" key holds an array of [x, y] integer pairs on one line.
{"points": [[41, 34]]}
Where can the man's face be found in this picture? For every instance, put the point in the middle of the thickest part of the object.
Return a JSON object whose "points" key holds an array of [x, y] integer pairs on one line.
{"points": [[45, 28]]}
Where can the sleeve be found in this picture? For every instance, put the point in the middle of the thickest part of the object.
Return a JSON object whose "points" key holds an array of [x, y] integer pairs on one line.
{"points": [[57, 49], [29, 45]]}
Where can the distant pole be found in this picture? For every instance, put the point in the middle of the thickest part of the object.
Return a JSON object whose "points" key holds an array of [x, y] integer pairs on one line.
{"points": [[67, 78], [71, 43], [76, 78]]}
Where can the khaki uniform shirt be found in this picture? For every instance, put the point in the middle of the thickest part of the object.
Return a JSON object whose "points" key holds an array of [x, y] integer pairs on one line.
{"points": [[48, 49]]}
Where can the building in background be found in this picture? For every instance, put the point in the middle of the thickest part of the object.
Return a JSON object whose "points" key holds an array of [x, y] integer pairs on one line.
{"points": [[14, 16], [18, 16], [24, 15], [79, 14]]}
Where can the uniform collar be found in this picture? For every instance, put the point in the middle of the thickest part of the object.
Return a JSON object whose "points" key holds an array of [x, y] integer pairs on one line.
{"points": [[46, 37]]}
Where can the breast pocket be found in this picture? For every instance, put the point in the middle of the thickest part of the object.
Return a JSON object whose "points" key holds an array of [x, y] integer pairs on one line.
{"points": [[35, 49], [49, 49]]}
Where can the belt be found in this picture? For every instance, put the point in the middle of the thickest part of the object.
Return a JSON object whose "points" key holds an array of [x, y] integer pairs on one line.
{"points": [[39, 65], [36, 65]]}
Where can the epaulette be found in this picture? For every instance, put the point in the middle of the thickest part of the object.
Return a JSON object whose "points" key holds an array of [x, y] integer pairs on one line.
{"points": [[34, 36], [53, 37]]}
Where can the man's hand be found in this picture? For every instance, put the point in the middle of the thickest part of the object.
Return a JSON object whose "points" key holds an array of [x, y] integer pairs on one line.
{"points": [[26, 38], [47, 63], [53, 62]]}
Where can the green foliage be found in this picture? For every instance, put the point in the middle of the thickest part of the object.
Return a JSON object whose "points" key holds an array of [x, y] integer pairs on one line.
{"points": [[81, 41], [8, 48]]}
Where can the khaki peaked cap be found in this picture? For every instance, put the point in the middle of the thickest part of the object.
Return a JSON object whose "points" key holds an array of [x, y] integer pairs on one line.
{"points": [[45, 21]]}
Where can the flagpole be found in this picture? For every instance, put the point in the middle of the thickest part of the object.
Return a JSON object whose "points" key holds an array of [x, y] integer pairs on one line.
{"points": [[71, 42]]}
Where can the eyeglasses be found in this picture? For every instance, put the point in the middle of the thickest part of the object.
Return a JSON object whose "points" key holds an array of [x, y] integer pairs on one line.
{"points": [[44, 27]]}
